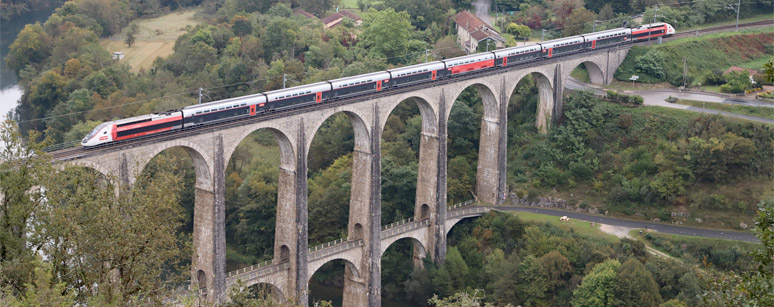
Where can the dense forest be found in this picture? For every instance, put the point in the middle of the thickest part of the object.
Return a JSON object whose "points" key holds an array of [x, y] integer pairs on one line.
{"points": [[638, 162]]}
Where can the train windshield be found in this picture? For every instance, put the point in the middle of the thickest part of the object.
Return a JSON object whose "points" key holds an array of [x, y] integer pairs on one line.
{"points": [[93, 132]]}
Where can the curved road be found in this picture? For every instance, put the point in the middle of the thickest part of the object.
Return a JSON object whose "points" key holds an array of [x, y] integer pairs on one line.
{"points": [[660, 227], [657, 98]]}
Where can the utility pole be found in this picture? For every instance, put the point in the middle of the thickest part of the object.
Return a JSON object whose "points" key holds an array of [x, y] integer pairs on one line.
{"points": [[200, 95], [731, 7], [594, 27], [284, 79], [685, 72], [426, 50], [487, 45], [543, 35]]}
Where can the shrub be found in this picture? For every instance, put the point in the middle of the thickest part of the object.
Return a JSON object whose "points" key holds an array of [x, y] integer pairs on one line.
{"points": [[621, 98], [738, 82], [714, 77], [650, 63]]}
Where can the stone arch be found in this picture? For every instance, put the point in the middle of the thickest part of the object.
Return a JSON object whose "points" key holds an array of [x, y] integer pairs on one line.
{"points": [[359, 125], [424, 212], [99, 168], [357, 232], [285, 143], [450, 223], [349, 264], [426, 110], [201, 279], [545, 86], [284, 253], [416, 240], [485, 89], [274, 291], [202, 162], [595, 73], [595, 65]]}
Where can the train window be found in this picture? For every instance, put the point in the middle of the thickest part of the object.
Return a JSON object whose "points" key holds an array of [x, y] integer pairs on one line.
{"points": [[294, 95], [199, 112]]}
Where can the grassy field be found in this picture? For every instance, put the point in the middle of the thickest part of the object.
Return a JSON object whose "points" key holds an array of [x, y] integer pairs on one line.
{"points": [[578, 226], [156, 38], [581, 74], [764, 112]]}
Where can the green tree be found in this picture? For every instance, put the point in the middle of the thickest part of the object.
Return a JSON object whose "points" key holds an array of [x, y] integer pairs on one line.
{"points": [[44, 290], [241, 25], [597, 288], [113, 247], [453, 274], [279, 37], [501, 276], [131, 34], [386, 34], [461, 299], [30, 47], [768, 69], [532, 286], [22, 167], [578, 21], [557, 269], [635, 286]]}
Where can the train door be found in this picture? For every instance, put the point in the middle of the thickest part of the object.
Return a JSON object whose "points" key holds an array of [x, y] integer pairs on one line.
{"points": [[318, 97], [252, 110], [379, 85], [550, 52], [594, 44]]}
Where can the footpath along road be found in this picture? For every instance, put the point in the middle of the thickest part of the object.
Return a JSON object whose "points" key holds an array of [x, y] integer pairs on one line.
{"points": [[658, 98], [660, 227]]}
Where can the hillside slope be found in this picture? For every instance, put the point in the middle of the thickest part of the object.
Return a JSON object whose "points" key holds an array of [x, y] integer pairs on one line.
{"points": [[664, 63]]}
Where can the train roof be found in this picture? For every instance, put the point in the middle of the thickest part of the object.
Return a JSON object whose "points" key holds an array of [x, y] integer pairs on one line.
{"points": [[379, 75], [513, 50], [473, 57], [571, 39], [431, 66], [651, 25], [316, 87], [618, 31]]}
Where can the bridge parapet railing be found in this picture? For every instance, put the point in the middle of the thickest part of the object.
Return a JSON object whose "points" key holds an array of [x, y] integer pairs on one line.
{"points": [[256, 272], [468, 211], [403, 226], [460, 205], [333, 247]]}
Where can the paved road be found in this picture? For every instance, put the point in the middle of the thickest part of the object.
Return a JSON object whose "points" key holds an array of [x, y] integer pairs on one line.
{"points": [[658, 97], [482, 10], [663, 228]]}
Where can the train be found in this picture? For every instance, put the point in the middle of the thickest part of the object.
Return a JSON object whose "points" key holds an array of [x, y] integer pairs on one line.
{"points": [[322, 92]]}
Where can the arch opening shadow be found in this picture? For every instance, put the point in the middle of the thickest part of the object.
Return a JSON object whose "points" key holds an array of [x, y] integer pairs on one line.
{"points": [[259, 191], [588, 72], [267, 292], [328, 281], [405, 133], [399, 261], [335, 179]]}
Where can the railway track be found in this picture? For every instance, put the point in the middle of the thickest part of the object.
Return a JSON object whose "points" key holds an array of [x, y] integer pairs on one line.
{"points": [[79, 152], [723, 28]]}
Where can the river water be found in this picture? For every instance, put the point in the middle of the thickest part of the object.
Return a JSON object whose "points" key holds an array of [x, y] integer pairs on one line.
{"points": [[10, 91]]}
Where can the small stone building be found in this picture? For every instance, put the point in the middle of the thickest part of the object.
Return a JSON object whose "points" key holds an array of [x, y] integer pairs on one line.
{"points": [[338, 17], [471, 30]]}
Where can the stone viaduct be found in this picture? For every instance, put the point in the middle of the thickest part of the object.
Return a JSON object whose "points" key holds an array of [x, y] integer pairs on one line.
{"points": [[293, 262]]}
